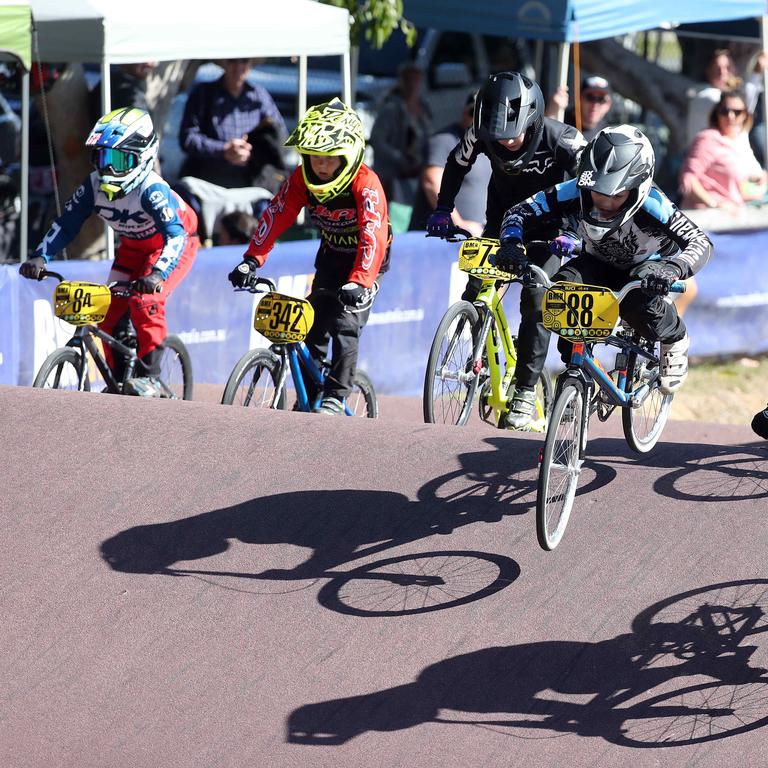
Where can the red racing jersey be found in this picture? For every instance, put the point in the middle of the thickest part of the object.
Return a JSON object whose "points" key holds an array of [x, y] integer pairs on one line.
{"points": [[354, 226]]}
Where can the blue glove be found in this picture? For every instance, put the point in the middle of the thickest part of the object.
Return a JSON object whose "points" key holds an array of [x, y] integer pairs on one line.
{"points": [[510, 257], [562, 246], [439, 223], [243, 275], [657, 277], [151, 283]]}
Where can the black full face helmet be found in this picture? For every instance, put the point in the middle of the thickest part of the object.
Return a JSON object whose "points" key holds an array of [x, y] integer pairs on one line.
{"points": [[509, 105], [619, 159]]}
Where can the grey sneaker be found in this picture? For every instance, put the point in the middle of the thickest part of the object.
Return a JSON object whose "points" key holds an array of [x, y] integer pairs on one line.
{"points": [[331, 406], [143, 386], [674, 365], [522, 409]]}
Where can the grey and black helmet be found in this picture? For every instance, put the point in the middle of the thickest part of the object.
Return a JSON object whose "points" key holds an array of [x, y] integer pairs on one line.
{"points": [[507, 106], [618, 159]]}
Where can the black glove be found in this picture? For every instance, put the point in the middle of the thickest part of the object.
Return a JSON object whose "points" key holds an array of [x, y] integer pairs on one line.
{"points": [[352, 294], [32, 268], [510, 257], [151, 283], [243, 275], [439, 223], [760, 423], [657, 277]]}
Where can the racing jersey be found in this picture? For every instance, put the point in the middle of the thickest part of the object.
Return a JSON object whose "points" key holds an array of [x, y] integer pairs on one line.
{"points": [[150, 215], [354, 226], [658, 227], [555, 159]]}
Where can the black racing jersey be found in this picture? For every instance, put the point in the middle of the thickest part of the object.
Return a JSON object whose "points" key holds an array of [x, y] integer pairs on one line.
{"points": [[657, 228], [555, 160]]}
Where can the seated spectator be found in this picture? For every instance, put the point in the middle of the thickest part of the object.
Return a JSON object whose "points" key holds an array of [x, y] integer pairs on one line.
{"points": [[469, 209], [720, 170], [235, 228], [595, 101], [400, 135], [232, 132], [722, 75]]}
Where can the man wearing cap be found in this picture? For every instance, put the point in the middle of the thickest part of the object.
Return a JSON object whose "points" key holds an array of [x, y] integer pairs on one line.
{"points": [[595, 101]]}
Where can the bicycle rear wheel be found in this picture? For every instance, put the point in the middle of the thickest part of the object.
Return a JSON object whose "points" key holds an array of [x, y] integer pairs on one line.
{"points": [[644, 424], [362, 402], [449, 382], [61, 370], [253, 381], [176, 368], [560, 465]]}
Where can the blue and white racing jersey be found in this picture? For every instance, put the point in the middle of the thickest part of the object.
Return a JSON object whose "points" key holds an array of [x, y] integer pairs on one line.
{"points": [[150, 214]]}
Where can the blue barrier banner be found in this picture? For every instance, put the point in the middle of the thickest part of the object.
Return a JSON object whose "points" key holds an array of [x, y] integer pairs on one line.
{"points": [[729, 316]]}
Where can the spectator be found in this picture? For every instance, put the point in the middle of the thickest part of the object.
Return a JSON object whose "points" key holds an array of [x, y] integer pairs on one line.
{"points": [[232, 132], [721, 75], [720, 170], [400, 136], [469, 210], [595, 101], [128, 87], [235, 228]]}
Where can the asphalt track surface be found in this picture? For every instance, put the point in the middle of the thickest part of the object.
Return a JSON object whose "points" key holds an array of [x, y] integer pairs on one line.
{"points": [[189, 584]]}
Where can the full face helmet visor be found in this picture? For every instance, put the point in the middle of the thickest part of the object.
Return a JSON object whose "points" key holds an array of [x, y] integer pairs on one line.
{"points": [[114, 162]]}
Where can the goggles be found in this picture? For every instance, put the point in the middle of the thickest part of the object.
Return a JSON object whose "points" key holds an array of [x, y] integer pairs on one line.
{"points": [[114, 161]]}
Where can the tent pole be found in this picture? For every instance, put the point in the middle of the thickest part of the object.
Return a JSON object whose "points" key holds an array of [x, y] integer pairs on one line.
{"points": [[346, 78], [563, 52], [302, 85], [764, 42], [24, 218], [106, 106]]}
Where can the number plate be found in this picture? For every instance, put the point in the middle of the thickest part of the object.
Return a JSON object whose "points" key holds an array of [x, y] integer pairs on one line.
{"points": [[579, 312], [81, 303], [473, 259], [283, 319]]}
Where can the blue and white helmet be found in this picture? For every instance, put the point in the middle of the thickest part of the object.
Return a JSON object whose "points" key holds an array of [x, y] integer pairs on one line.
{"points": [[124, 147], [618, 159]]}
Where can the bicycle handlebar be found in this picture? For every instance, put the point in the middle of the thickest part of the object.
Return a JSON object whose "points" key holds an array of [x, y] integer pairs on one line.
{"points": [[116, 287]]}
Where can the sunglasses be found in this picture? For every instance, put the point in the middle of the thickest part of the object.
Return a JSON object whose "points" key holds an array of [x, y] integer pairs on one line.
{"points": [[114, 160], [594, 98], [725, 111]]}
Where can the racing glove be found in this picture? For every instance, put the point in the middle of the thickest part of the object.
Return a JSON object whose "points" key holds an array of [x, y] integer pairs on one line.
{"points": [[562, 246], [352, 294], [32, 268], [242, 276], [151, 283], [760, 423], [510, 257], [657, 277], [439, 223]]}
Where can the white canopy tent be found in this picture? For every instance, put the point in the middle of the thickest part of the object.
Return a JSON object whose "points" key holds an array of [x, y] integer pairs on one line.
{"points": [[105, 32]]}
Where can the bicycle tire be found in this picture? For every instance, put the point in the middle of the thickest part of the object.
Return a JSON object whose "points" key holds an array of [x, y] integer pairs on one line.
{"points": [[363, 401], [562, 452], [176, 368], [643, 425], [257, 362], [453, 405], [66, 364]]}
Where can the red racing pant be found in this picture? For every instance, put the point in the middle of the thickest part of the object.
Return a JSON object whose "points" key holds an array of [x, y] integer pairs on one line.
{"points": [[134, 259]]}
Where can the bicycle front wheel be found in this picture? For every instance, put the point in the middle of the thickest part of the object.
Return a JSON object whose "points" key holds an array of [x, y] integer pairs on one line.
{"points": [[560, 465], [362, 402], [254, 380], [176, 368], [644, 424], [61, 370], [450, 382]]}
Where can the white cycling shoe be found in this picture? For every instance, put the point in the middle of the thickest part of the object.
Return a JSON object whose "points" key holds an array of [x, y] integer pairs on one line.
{"points": [[674, 365]]}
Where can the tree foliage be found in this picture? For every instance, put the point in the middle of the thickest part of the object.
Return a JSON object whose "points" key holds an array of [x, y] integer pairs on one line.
{"points": [[375, 21]]}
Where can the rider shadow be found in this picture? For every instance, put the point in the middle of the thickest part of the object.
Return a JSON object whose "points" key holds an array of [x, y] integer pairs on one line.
{"points": [[667, 683], [338, 527]]}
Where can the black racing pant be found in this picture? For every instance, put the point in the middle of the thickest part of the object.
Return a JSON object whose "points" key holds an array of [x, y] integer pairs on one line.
{"points": [[652, 316], [532, 336], [343, 329]]}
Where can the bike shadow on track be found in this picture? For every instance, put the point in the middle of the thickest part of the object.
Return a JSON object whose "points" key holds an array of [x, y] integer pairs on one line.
{"points": [[681, 676]]}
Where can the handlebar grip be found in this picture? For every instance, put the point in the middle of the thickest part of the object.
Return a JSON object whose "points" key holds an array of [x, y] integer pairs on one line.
{"points": [[678, 287]]}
